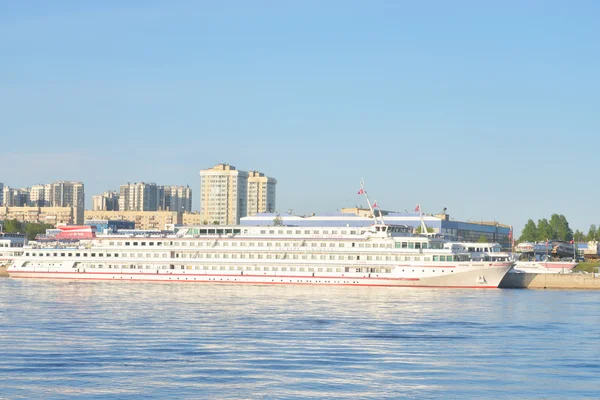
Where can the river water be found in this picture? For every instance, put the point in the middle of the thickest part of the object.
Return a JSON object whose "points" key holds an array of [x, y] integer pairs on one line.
{"points": [[132, 340]]}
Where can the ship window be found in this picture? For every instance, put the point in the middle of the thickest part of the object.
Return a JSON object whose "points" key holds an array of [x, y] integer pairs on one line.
{"points": [[436, 258], [449, 258], [150, 243], [397, 245], [127, 243], [442, 258], [353, 232], [404, 245], [324, 244], [135, 243], [423, 245], [411, 245], [284, 268], [417, 245], [271, 232], [340, 244], [338, 270]]}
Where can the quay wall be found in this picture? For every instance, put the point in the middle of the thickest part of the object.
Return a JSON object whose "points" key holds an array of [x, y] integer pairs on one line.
{"points": [[550, 281]]}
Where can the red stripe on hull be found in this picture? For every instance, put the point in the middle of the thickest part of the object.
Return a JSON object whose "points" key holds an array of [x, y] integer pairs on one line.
{"points": [[259, 283]]}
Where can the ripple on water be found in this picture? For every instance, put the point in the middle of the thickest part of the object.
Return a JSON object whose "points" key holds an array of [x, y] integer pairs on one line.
{"points": [[145, 340]]}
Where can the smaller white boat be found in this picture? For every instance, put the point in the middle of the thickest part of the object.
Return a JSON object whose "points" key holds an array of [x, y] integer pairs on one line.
{"points": [[543, 267]]}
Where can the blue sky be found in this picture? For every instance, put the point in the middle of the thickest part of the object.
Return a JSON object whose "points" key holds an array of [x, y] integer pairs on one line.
{"points": [[490, 110]]}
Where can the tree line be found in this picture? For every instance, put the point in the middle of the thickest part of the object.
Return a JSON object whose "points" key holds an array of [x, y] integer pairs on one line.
{"points": [[557, 228], [31, 229]]}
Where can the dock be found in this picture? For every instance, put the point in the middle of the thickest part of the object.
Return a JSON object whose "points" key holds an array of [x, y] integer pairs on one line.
{"points": [[550, 281]]}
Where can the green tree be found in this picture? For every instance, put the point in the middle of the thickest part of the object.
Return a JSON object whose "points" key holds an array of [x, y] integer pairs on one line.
{"points": [[544, 231], [529, 232], [578, 236], [554, 226], [34, 229], [429, 230], [560, 228], [482, 239], [592, 233], [12, 226]]}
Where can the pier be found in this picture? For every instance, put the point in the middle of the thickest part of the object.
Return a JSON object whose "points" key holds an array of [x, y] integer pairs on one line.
{"points": [[550, 281]]}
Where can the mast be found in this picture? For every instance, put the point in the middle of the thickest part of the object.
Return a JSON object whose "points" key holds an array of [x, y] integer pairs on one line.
{"points": [[363, 191], [424, 230], [376, 204]]}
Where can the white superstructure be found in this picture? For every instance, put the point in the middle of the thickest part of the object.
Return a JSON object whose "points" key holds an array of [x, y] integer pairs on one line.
{"points": [[379, 255]]}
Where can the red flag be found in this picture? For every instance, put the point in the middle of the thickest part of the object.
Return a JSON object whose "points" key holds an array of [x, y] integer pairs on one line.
{"points": [[374, 205], [418, 207], [361, 191]]}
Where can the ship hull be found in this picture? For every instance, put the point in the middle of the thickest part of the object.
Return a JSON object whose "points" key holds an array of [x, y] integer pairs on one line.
{"points": [[472, 276]]}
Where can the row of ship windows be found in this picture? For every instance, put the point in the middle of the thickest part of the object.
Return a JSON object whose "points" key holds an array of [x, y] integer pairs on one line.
{"points": [[398, 245], [261, 256], [238, 268]]}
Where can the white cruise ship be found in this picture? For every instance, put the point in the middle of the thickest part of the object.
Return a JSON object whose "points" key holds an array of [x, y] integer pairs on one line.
{"points": [[380, 255]]}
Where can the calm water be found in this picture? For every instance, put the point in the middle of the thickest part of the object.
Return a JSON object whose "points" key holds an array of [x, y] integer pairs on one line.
{"points": [[156, 340]]}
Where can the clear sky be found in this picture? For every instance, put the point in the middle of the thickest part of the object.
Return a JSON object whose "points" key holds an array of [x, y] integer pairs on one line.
{"points": [[491, 109]]}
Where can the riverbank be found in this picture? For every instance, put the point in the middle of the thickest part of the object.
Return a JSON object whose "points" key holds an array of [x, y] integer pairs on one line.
{"points": [[550, 281]]}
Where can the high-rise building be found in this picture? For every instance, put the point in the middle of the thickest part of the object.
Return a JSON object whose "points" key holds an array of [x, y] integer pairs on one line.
{"points": [[69, 194], [40, 195], [261, 193], [15, 197], [139, 197], [175, 198], [107, 201], [223, 194], [1, 194]]}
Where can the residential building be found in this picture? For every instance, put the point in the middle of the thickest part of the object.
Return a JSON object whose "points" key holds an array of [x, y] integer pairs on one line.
{"points": [[47, 215], [147, 220], [40, 195], [223, 194], [175, 198], [69, 194], [193, 219], [261, 193], [139, 197], [107, 201], [1, 194], [15, 197]]}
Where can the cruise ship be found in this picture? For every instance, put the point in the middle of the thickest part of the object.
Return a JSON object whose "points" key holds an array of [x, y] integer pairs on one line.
{"points": [[379, 255]]}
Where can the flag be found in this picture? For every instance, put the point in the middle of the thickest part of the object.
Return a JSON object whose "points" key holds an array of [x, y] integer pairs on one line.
{"points": [[375, 205], [361, 191], [418, 207]]}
